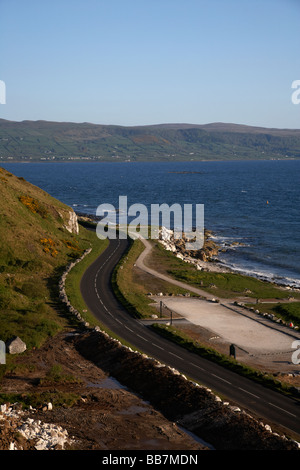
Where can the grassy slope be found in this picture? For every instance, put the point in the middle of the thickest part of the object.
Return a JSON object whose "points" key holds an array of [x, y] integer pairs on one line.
{"points": [[34, 248]]}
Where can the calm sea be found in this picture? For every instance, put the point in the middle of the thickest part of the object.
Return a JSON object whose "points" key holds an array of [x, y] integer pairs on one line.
{"points": [[251, 204]]}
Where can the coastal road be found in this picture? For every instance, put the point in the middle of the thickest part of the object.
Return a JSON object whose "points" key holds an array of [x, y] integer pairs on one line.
{"points": [[271, 407]]}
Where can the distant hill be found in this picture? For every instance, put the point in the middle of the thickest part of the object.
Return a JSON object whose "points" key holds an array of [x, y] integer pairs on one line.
{"points": [[66, 141]]}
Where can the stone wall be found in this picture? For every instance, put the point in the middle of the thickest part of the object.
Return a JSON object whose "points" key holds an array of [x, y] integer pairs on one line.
{"points": [[62, 289]]}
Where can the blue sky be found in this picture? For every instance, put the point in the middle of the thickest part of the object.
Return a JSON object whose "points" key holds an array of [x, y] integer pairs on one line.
{"points": [[137, 62]]}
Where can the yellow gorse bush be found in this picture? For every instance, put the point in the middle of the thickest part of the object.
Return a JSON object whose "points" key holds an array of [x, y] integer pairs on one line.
{"points": [[49, 246], [33, 205]]}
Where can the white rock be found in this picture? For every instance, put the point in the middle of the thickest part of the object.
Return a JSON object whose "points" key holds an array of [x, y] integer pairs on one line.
{"points": [[16, 346], [3, 408], [72, 225]]}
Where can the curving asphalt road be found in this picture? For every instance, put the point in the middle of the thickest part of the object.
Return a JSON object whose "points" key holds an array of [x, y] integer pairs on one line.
{"points": [[271, 407]]}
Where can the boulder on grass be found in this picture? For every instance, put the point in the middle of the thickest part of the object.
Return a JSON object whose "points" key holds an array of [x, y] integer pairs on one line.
{"points": [[15, 345]]}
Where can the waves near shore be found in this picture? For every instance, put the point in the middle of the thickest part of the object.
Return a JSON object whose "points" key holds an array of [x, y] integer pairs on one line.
{"points": [[219, 255]]}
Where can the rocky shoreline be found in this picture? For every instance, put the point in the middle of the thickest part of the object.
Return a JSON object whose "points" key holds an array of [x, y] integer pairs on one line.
{"points": [[204, 259]]}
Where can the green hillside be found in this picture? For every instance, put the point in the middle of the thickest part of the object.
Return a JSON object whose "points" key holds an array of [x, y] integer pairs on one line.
{"points": [[60, 141], [35, 246]]}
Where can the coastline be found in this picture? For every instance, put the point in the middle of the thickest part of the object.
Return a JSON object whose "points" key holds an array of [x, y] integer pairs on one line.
{"points": [[212, 263], [239, 212], [208, 260]]}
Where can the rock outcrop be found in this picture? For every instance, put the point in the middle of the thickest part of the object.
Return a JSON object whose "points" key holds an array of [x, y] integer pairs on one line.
{"points": [[72, 224], [208, 252]]}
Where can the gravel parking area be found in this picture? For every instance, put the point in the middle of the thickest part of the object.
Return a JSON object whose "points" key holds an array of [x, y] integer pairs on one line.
{"points": [[261, 344], [231, 326]]}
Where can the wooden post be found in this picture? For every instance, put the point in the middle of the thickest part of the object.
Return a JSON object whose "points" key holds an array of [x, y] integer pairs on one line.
{"points": [[232, 350]]}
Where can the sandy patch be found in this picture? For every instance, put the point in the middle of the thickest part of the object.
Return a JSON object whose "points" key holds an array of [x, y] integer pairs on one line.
{"points": [[232, 327]]}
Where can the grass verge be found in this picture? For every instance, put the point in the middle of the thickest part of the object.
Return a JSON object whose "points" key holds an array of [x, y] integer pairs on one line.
{"points": [[73, 285], [132, 287], [177, 336], [73, 279], [223, 285], [38, 399]]}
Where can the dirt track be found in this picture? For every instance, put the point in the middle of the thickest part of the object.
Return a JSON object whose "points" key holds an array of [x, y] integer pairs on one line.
{"points": [[107, 415]]}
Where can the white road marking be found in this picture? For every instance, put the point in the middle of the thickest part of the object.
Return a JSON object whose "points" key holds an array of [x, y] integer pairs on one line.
{"points": [[249, 393], [221, 379], [195, 365], [158, 346], [142, 337], [285, 411], [175, 355]]}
